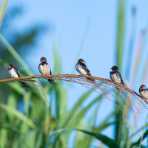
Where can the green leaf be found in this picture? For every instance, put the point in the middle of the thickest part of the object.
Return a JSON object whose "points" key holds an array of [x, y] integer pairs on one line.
{"points": [[3, 137], [85, 140], [145, 126], [3, 7], [104, 139], [17, 88], [138, 142], [105, 123], [97, 129], [19, 115], [120, 32], [13, 52], [57, 60], [80, 115], [76, 106], [61, 93]]}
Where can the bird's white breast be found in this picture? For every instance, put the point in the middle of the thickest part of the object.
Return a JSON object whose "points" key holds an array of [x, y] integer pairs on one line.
{"points": [[13, 73], [144, 93], [116, 78], [44, 69], [82, 70]]}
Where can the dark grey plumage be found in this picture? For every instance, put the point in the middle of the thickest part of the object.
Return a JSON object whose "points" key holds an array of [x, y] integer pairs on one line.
{"points": [[143, 91], [115, 75], [14, 73], [82, 68], [44, 68]]}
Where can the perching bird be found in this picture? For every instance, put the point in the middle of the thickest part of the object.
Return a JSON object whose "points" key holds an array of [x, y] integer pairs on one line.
{"points": [[44, 68], [143, 90], [115, 75], [82, 68], [13, 71], [15, 74]]}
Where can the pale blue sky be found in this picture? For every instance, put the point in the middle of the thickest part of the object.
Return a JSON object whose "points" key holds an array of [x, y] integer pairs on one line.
{"points": [[71, 19]]}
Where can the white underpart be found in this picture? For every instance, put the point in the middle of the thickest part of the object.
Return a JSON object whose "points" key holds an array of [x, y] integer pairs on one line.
{"points": [[81, 70], [144, 93], [116, 78], [13, 73], [44, 69]]}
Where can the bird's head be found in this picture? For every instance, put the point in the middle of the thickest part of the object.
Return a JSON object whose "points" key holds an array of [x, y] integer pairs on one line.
{"points": [[43, 60], [81, 61], [10, 66], [142, 86], [115, 68]]}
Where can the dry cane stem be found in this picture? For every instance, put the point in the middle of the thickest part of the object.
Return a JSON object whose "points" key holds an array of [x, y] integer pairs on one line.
{"points": [[74, 76]]}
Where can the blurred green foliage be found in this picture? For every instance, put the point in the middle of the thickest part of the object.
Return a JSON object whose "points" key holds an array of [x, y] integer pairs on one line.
{"points": [[44, 119]]}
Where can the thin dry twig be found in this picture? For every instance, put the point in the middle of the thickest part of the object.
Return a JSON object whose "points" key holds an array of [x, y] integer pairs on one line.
{"points": [[77, 79]]}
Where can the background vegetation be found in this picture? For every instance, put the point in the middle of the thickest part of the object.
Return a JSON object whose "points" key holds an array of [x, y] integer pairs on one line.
{"points": [[39, 116]]}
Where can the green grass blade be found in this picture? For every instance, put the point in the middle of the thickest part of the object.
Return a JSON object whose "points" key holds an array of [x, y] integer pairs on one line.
{"points": [[3, 137], [17, 88], [104, 139], [57, 60], [90, 125], [19, 115], [120, 38], [120, 33], [80, 115], [56, 90], [105, 123], [13, 52], [77, 106], [3, 7], [61, 98], [139, 130], [87, 140], [139, 141]]}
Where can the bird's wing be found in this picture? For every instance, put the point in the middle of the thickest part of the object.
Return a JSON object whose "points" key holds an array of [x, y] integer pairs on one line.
{"points": [[18, 73], [110, 75], [88, 71], [121, 77], [140, 90], [77, 67], [116, 76], [39, 68], [50, 72], [86, 68]]}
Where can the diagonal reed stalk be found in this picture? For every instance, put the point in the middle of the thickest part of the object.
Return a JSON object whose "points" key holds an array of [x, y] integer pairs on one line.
{"points": [[119, 46], [79, 78]]}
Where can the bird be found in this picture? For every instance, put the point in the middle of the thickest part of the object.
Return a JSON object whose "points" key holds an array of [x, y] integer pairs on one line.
{"points": [[44, 68], [12, 70], [83, 69], [143, 91], [115, 75]]}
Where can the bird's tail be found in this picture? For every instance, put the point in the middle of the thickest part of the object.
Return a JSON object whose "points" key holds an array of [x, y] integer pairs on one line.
{"points": [[90, 78], [51, 81], [25, 85]]}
